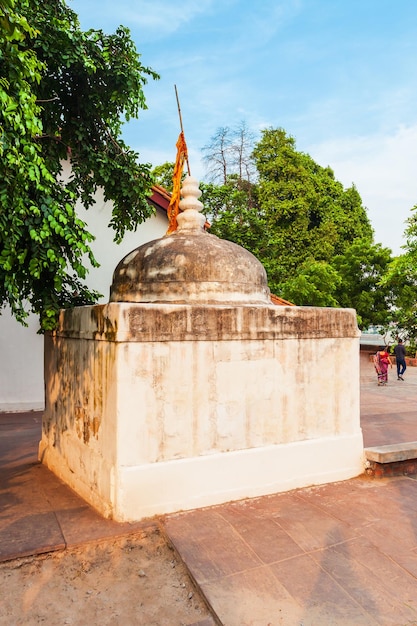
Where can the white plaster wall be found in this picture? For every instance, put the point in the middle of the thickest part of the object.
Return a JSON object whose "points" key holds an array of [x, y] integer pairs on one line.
{"points": [[21, 363], [82, 397], [187, 399]]}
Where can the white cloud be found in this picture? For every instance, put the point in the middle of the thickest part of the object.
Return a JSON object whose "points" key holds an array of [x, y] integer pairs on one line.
{"points": [[155, 19], [159, 18], [383, 169]]}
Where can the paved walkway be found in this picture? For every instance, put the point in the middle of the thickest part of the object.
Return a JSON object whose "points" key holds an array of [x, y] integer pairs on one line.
{"points": [[38, 513], [336, 554]]}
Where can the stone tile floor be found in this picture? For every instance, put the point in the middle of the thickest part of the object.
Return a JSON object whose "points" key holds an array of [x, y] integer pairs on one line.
{"points": [[336, 554], [38, 513]]}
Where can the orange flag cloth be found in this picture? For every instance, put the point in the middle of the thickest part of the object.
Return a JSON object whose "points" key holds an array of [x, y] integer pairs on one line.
{"points": [[174, 204]]}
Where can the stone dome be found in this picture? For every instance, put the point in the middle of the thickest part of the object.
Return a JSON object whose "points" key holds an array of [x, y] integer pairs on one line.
{"points": [[190, 265]]}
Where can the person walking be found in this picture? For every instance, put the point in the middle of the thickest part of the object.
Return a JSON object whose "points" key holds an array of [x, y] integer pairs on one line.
{"points": [[382, 361], [399, 352]]}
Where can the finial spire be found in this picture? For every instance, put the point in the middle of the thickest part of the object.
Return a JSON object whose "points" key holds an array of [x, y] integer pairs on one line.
{"points": [[190, 217]]}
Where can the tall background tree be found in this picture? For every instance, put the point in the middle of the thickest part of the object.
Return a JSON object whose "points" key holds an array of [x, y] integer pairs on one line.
{"points": [[401, 281], [312, 235], [230, 152], [65, 94]]}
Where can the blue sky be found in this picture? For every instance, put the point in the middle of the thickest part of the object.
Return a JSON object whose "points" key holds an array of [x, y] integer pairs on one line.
{"points": [[340, 76]]}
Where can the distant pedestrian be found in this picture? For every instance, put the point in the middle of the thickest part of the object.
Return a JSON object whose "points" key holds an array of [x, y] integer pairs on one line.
{"points": [[382, 361], [399, 352]]}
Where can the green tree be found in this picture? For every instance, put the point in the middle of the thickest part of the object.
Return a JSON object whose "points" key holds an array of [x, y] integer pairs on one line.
{"points": [[361, 268], [304, 227], [231, 212], [163, 175], [65, 94], [401, 280], [314, 284], [312, 213]]}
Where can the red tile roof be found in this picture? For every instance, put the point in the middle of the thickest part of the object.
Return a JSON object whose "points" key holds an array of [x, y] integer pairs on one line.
{"points": [[160, 197], [280, 301]]}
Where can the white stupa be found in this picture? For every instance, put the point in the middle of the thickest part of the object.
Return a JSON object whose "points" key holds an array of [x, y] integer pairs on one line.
{"points": [[190, 388]]}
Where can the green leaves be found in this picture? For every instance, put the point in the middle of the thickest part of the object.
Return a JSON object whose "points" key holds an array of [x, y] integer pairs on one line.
{"points": [[361, 267], [313, 236], [401, 280], [315, 284], [63, 95]]}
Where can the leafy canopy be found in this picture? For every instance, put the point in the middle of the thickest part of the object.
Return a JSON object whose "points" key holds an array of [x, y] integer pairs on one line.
{"points": [[401, 280], [313, 236], [64, 96]]}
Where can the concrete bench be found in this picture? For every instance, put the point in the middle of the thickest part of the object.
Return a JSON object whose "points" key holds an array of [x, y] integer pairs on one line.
{"points": [[392, 460], [392, 453]]}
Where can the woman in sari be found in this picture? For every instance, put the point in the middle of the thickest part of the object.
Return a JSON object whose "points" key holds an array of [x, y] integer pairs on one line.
{"points": [[381, 362]]}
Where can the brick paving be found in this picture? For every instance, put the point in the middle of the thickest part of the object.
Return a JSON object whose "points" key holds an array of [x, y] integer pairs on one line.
{"points": [[337, 554], [38, 513], [330, 555]]}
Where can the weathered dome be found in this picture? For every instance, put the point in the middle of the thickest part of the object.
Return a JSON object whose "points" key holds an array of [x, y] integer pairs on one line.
{"points": [[190, 265]]}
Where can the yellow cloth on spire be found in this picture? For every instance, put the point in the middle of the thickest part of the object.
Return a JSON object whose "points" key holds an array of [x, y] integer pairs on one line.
{"points": [[174, 204]]}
